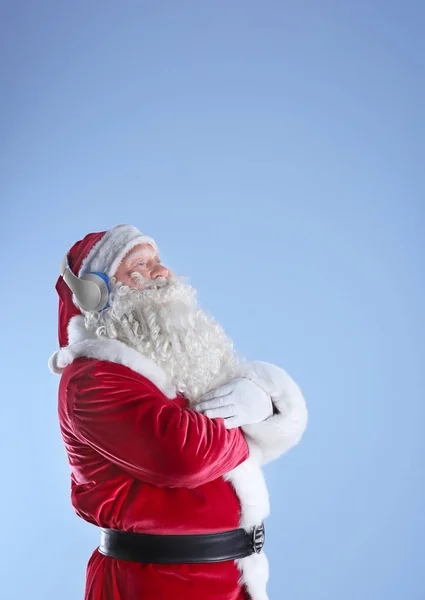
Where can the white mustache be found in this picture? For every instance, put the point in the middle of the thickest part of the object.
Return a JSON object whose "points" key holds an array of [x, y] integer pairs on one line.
{"points": [[150, 284]]}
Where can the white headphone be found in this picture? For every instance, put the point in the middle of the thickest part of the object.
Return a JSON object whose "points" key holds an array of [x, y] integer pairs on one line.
{"points": [[91, 289]]}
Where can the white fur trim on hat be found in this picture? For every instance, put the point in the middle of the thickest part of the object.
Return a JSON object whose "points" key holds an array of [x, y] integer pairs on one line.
{"points": [[107, 254]]}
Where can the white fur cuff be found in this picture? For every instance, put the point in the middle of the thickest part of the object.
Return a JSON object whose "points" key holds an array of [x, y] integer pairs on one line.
{"points": [[282, 431]]}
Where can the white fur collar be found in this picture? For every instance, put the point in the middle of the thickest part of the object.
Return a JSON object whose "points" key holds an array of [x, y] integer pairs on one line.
{"points": [[84, 343]]}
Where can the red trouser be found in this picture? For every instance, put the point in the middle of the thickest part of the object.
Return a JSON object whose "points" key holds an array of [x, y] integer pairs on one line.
{"points": [[112, 579]]}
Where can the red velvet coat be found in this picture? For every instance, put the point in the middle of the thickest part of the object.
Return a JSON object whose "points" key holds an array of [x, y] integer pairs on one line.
{"points": [[141, 460]]}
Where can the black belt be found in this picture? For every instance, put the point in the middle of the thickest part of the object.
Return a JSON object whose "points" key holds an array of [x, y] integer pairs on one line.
{"points": [[172, 549]]}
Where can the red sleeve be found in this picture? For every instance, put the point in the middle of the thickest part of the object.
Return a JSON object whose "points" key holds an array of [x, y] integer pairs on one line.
{"points": [[127, 420]]}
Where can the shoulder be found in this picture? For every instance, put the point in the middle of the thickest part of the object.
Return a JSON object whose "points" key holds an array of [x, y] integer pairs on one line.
{"points": [[85, 374], [110, 352]]}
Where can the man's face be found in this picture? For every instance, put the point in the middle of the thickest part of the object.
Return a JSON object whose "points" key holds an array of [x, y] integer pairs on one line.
{"points": [[142, 262]]}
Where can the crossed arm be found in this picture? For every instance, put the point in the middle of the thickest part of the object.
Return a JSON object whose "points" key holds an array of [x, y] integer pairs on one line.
{"points": [[131, 424]]}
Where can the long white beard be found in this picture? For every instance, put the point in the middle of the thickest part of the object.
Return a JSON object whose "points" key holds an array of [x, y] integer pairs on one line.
{"points": [[165, 324]]}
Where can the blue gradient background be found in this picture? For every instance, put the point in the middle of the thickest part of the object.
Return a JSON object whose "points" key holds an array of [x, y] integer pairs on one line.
{"points": [[275, 150]]}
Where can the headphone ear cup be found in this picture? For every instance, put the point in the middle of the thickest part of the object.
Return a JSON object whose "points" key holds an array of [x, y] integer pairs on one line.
{"points": [[91, 289], [93, 294]]}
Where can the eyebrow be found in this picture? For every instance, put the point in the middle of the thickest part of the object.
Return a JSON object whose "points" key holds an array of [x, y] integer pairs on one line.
{"points": [[141, 253]]}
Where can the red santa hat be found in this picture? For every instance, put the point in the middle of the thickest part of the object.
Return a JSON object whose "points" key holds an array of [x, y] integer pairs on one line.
{"points": [[98, 252]]}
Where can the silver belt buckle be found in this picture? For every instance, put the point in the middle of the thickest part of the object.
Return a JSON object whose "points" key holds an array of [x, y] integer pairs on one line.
{"points": [[258, 538]]}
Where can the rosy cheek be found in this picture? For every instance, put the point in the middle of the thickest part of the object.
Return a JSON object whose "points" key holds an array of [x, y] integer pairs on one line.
{"points": [[126, 279]]}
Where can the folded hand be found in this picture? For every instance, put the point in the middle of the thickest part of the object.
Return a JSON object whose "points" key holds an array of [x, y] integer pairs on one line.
{"points": [[239, 402]]}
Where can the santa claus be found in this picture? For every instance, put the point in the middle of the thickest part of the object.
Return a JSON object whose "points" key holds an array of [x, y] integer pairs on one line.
{"points": [[165, 428]]}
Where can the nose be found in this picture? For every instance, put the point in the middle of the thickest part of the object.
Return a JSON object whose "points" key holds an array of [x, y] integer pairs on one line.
{"points": [[159, 271]]}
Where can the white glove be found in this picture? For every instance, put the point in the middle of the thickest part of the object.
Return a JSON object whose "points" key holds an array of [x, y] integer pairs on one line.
{"points": [[239, 402]]}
